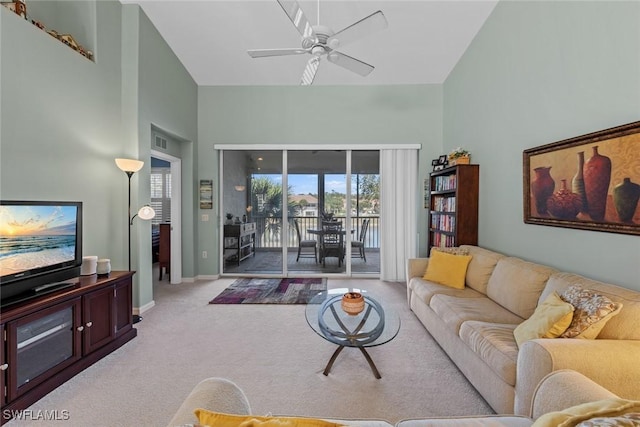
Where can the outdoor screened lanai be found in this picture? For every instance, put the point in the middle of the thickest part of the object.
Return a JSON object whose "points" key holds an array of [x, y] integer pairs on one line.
{"points": [[277, 200]]}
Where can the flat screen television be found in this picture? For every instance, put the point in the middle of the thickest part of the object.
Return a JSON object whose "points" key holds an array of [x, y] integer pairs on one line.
{"points": [[40, 247]]}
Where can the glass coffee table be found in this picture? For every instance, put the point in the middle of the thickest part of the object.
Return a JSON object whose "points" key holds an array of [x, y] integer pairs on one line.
{"points": [[377, 324]]}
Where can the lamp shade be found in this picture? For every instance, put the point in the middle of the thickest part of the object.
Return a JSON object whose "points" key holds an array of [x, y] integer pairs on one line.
{"points": [[146, 212], [239, 187], [129, 165]]}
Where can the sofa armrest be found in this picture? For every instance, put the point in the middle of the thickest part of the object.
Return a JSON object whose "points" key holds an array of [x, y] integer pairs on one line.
{"points": [[415, 268], [563, 389], [611, 363], [214, 394]]}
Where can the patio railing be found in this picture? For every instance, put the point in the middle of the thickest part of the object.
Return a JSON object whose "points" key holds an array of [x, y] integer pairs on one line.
{"points": [[269, 230]]}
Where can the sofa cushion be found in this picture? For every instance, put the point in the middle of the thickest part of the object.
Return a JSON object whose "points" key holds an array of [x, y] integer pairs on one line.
{"points": [[481, 266], [447, 269], [592, 312], [495, 345], [549, 320], [484, 421], [425, 289], [453, 311], [517, 284], [623, 326]]}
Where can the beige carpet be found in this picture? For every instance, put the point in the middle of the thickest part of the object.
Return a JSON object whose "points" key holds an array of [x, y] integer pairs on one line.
{"points": [[269, 351]]}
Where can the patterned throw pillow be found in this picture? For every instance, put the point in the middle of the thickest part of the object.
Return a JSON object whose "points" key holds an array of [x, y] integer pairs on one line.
{"points": [[592, 312], [453, 250], [627, 420]]}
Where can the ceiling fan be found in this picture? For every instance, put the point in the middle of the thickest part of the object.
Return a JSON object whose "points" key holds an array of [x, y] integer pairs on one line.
{"points": [[320, 41]]}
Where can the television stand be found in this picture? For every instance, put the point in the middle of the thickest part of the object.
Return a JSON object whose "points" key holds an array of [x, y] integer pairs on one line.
{"points": [[36, 292], [59, 332]]}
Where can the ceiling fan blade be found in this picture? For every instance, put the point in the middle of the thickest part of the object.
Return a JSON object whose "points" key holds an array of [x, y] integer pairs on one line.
{"points": [[351, 64], [297, 16], [261, 53], [368, 25], [310, 71]]}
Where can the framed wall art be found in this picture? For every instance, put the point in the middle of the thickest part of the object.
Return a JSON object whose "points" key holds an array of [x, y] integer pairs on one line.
{"points": [[589, 182], [206, 194]]}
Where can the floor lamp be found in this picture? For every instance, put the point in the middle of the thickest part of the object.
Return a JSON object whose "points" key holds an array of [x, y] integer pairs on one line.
{"points": [[130, 166]]}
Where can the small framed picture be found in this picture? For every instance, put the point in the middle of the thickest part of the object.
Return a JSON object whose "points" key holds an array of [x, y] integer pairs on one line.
{"points": [[206, 194], [438, 168], [442, 160], [435, 162]]}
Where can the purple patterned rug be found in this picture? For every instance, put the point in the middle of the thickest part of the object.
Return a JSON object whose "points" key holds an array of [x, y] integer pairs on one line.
{"points": [[271, 291]]}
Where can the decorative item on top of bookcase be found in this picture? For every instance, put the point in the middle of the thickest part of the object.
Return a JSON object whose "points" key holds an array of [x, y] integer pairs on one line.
{"points": [[440, 163], [453, 206], [602, 168], [459, 156]]}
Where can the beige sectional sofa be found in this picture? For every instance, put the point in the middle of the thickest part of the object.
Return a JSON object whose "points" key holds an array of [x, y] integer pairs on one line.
{"points": [[556, 392], [475, 325]]}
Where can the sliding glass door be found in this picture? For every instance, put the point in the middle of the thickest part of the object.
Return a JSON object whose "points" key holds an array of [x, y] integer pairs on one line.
{"points": [[284, 212], [252, 202]]}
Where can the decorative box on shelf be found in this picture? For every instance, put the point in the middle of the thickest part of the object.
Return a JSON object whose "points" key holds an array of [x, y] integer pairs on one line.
{"points": [[464, 160]]}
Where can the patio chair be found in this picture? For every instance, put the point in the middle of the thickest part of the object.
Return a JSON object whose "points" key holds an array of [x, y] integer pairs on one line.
{"points": [[305, 244], [359, 244], [332, 242]]}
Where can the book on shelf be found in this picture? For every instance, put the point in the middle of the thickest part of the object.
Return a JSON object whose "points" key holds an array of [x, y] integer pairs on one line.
{"points": [[443, 240], [443, 222], [444, 204], [445, 183]]}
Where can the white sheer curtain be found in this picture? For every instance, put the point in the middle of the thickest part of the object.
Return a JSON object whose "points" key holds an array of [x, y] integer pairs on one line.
{"points": [[398, 203]]}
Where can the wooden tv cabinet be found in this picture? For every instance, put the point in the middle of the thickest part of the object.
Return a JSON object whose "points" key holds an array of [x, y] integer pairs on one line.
{"points": [[50, 339]]}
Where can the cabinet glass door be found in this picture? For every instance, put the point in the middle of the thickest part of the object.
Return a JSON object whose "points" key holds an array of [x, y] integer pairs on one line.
{"points": [[46, 343]]}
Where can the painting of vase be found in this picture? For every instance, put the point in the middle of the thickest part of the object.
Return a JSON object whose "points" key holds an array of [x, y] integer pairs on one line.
{"points": [[542, 188], [599, 175]]}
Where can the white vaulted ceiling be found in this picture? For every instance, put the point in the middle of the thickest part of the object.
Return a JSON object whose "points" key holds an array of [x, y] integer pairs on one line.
{"points": [[422, 44]]}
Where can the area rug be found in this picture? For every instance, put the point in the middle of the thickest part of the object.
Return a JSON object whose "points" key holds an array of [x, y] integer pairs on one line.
{"points": [[271, 291]]}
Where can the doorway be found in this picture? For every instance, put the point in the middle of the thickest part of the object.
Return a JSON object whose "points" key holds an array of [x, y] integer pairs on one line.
{"points": [[166, 200], [276, 200]]}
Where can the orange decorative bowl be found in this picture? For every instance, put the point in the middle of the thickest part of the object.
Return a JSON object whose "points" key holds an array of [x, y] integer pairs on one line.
{"points": [[352, 303]]}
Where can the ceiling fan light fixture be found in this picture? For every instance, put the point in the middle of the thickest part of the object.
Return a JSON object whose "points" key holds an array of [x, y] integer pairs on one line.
{"points": [[334, 43], [318, 50]]}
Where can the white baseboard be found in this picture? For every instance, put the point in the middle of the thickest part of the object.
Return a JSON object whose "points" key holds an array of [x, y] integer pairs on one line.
{"points": [[148, 306], [208, 277]]}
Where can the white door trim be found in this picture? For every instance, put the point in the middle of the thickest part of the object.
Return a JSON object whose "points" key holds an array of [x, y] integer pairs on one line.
{"points": [[175, 269]]}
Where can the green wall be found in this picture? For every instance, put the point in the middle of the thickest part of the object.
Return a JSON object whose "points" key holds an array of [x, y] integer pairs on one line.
{"points": [[313, 116], [61, 126], [540, 72], [65, 119]]}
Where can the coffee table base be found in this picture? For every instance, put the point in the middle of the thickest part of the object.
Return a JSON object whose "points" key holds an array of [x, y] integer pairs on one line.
{"points": [[364, 353]]}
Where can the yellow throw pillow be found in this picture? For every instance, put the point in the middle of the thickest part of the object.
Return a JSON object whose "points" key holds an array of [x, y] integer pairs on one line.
{"points": [[447, 269], [575, 415], [219, 419], [549, 320]]}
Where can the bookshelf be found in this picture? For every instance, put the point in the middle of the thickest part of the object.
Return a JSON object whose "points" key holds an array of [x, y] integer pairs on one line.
{"points": [[453, 206]]}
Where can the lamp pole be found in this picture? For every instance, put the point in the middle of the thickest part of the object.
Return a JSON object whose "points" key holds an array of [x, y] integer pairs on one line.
{"points": [[129, 219]]}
